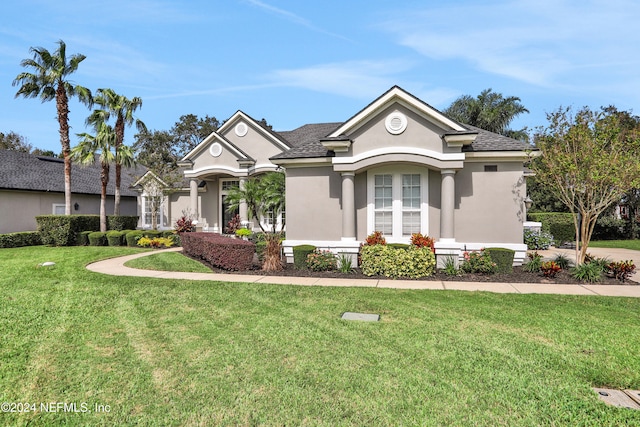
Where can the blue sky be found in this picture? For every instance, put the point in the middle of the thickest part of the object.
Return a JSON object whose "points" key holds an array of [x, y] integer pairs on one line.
{"points": [[298, 62]]}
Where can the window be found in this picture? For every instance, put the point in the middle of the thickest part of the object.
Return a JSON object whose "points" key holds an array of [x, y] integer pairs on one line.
{"points": [[58, 209], [397, 202], [149, 205]]}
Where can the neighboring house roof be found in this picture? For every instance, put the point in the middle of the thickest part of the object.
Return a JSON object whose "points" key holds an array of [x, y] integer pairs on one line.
{"points": [[23, 171]]}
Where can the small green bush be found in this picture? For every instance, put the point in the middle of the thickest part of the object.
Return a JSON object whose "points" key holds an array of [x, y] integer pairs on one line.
{"points": [[19, 239], [97, 238], [589, 272], [559, 224], [300, 254], [63, 230], [399, 246], [478, 262], [116, 238], [563, 261], [261, 246], [537, 240], [385, 261], [503, 258], [132, 237], [534, 263], [83, 238], [319, 260], [122, 222]]}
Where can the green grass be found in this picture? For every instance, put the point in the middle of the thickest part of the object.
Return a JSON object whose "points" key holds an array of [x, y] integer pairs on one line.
{"points": [[623, 244], [177, 352], [168, 261]]}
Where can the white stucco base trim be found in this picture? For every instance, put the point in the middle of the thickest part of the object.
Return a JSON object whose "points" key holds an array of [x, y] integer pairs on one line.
{"points": [[444, 248]]}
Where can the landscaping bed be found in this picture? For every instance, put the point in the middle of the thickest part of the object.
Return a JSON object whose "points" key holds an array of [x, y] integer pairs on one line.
{"points": [[518, 275]]}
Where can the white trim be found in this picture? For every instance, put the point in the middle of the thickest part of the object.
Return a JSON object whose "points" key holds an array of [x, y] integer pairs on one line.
{"points": [[397, 172], [195, 172], [402, 97], [241, 129], [389, 123], [215, 149], [239, 114], [400, 150], [143, 203], [58, 205]]}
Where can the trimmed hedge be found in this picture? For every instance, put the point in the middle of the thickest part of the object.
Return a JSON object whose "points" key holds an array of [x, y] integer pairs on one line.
{"points": [[132, 237], [559, 224], [19, 239], [62, 230], [97, 238], [300, 254], [386, 261], [116, 238], [122, 222], [219, 251], [503, 258], [83, 238]]}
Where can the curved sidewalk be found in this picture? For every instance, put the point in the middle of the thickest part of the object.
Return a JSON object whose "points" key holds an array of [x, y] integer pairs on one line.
{"points": [[116, 267]]}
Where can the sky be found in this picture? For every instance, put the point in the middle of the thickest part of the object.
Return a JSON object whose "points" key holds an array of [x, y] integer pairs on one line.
{"points": [[298, 62]]}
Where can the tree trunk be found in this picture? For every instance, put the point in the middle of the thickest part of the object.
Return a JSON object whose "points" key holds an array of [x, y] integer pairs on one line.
{"points": [[272, 258], [119, 141], [104, 178], [116, 201], [62, 108]]}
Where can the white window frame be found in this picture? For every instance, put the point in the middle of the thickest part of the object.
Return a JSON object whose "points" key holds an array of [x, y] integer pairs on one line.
{"points": [[143, 220], [56, 206], [397, 208]]}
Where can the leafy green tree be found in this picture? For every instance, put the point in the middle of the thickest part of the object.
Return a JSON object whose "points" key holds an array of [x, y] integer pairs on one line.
{"points": [[48, 80], [190, 130], [122, 108], [489, 111], [15, 142], [263, 195], [589, 161], [90, 146]]}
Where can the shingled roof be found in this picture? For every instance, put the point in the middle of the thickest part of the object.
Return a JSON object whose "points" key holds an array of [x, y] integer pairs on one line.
{"points": [[23, 171], [306, 141]]}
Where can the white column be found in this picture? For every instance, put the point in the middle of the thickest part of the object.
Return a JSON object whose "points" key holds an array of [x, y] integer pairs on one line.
{"points": [[348, 206], [193, 197], [447, 205], [242, 209]]}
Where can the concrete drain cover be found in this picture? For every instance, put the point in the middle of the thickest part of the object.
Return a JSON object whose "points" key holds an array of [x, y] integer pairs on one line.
{"points": [[364, 317], [622, 399]]}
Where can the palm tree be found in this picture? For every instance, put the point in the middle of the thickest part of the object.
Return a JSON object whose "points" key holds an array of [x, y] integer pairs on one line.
{"points": [[489, 111], [49, 80], [85, 153], [263, 195], [123, 108]]}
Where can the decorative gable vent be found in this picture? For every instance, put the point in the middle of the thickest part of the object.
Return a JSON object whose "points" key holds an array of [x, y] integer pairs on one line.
{"points": [[216, 149], [396, 123], [241, 129]]}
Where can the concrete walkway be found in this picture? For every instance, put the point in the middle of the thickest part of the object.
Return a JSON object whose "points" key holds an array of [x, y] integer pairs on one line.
{"points": [[116, 267]]}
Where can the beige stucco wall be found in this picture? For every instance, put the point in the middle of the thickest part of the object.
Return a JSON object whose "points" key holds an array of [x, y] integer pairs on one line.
{"points": [[420, 133], [18, 209], [489, 205], [313, 204], [255, 143]]}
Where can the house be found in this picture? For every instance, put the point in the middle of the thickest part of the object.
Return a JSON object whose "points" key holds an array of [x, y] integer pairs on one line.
{"points": [[33, 185], [398, 166]]}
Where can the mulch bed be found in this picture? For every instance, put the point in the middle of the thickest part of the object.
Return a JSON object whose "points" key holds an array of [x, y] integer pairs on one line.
{"points": [[517, 276]]}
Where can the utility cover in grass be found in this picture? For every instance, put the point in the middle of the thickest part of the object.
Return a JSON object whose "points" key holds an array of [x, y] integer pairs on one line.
{"points": [[619, 398], [364, 317]]}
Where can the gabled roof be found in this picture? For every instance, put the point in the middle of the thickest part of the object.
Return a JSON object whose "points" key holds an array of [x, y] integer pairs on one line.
{"points": [[23, 171]]}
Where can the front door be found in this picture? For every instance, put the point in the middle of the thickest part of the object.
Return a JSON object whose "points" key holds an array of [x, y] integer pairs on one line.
{"points": [[227, 215]]}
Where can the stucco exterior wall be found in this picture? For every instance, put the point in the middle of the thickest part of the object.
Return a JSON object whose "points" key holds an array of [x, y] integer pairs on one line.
{"points": [[489, 205], [18, 209], [313, 204], [254, 143]]}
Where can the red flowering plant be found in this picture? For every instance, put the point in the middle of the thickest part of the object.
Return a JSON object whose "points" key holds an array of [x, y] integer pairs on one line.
{"points": [[420, 241], [375, 238], [550, 269]]}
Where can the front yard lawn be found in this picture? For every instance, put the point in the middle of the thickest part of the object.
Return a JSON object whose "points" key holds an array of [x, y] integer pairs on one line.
{"points": [[177, 352], [622, 244]]}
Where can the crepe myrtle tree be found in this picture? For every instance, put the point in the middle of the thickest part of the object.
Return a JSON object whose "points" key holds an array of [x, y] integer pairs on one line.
{"points": [[589, 160], [263, 195]]}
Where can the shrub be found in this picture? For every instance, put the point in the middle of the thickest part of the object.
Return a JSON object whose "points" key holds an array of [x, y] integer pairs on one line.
{"points": [[609, 228], [602, 262], [503, 258], [300, 254], [116, 238], [122, 222], [243, 232], [478, 262], [537, 240], [550, 269], [132, 237], [155, 242], [450, 267], [385, 261], [403, 246], [233, 225], [261, 247], [320, 260], [621, 270], [417, 239], [563, 261], [19, 239], [534, 263], [375, 238], [63, 230], [345, 263], [559, 224], [184, 225], [83, 238], [98, 238], [219, 251], [590, 272]]}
